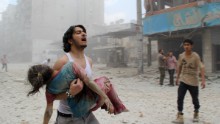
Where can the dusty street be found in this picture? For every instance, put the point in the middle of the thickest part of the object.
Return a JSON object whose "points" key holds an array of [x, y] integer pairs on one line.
{"points": [[148, 102]]}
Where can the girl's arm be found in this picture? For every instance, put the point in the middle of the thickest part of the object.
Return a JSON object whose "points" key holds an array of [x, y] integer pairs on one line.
{"points": [[48, 113], [49, 109], [93, 86], [104, 99]]}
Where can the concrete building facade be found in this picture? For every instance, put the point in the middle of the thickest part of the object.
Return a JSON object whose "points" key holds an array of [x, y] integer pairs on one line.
{"points": [[43, 23], [198, 20], [117, 46]]}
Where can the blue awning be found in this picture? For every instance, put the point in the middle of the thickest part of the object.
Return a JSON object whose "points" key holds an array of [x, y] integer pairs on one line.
{"points": [[199, 16]]}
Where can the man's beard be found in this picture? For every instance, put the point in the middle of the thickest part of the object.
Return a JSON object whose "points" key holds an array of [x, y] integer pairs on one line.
{"points": [[78, 45]]}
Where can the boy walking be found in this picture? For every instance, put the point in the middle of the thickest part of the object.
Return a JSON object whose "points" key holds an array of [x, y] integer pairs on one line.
{"points": [[189, 64]]}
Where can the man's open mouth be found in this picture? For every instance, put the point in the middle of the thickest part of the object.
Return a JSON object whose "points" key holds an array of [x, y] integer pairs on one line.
{"points": [[84, 39]]}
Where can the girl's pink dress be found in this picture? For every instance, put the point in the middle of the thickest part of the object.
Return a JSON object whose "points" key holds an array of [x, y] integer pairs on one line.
{"points": [[112, 95], [110, 92]]}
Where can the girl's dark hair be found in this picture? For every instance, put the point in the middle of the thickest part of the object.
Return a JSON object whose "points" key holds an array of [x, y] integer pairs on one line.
{"points": [[68, 35], [38, 76]]}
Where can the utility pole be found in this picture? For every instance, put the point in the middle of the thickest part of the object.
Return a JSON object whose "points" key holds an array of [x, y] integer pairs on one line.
{"points": [[139, 29]]}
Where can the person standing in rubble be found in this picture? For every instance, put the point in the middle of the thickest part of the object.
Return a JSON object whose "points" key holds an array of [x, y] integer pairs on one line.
{"points": [[171, 66], [4, 63], [188, 67], [162, 65]]}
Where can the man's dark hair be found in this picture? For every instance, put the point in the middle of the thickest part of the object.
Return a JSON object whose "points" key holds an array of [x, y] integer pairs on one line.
{"points": [[188, 41], [68, 35], [160, 50]]}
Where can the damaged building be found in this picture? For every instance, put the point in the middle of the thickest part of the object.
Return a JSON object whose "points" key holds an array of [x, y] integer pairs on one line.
{"points": [[171, 21]]}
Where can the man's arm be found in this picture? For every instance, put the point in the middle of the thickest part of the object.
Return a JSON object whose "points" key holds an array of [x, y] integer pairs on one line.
{"points": [[60, 63], [57, 66], [202, 72], [178, 71], [75, 86], [203, 84]]}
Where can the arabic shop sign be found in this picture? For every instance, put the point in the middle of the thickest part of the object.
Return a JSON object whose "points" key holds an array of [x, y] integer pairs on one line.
{"points": [[199, 16]]}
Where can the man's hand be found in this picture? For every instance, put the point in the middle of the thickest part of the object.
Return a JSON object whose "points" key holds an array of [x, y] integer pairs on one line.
{"points": [[75, 87], [177, 81], [203, 84]]}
